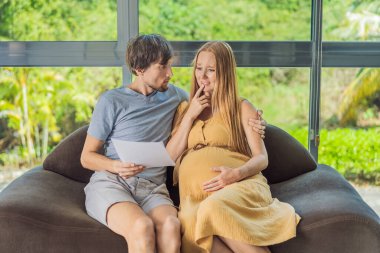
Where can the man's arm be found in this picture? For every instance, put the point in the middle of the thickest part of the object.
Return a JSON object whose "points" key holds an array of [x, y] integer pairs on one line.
{"points": [[258, 125], [91, 157], [93, 160]]}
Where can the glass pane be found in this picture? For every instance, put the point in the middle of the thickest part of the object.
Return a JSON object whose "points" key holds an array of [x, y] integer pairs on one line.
{"points": [[41, 106], [351, 20], [350, 122], [58, 20], [282, 93], [226, 20]]}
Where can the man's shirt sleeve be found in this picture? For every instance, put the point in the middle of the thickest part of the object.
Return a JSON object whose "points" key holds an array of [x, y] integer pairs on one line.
{"points": [[103, 119]]}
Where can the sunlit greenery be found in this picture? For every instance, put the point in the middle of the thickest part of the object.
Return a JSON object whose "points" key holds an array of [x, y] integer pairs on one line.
{"points": [[355, 153]]}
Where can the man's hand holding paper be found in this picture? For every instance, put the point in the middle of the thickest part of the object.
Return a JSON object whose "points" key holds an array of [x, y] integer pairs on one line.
{"points": [[147, 154], [126, 169]]}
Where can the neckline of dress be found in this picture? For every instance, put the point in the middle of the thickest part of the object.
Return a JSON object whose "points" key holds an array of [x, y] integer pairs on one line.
{"points": [[209, 119]]}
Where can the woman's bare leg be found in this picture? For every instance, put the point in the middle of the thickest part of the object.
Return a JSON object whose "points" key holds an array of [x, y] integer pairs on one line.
{"points": [[237, 246], [219, 246]]}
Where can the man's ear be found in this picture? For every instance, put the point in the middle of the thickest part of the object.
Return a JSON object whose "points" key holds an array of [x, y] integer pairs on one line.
{"points": [[139, 72]]}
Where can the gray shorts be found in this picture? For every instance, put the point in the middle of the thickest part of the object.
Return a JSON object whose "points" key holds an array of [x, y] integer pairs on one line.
{"points": [[106, 189]]}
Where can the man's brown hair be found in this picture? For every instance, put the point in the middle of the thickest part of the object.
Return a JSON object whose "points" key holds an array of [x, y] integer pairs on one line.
{"points": [[144, 50]]}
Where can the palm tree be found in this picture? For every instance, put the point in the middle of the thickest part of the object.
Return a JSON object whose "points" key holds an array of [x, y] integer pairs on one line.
{"points": [[364, 87], [361, 25]]}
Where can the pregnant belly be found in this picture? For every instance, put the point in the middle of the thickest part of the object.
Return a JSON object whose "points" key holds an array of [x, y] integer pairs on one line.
{"points": [[195, 168]]}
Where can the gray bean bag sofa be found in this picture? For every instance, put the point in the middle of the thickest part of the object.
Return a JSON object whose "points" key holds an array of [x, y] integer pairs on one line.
{"points": [[43, 210]]}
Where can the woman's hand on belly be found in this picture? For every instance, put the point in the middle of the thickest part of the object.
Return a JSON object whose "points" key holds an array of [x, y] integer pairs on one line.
{"points": [[227, 176]]}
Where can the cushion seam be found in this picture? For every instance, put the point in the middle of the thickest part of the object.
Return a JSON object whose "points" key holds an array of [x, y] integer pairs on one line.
{"points": [[336, 220]]}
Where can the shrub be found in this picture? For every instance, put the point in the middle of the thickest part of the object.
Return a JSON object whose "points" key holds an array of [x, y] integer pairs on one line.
{"points": [[354, 153]]}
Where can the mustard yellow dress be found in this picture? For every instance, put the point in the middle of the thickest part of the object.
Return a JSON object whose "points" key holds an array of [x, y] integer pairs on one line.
{"points": [[244, 211]]}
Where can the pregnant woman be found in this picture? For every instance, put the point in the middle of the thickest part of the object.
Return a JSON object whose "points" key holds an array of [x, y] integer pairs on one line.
{"points": [[226, 203]]}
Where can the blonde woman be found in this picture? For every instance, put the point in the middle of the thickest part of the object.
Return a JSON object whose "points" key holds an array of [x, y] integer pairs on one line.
{"points": [[226, 204]]}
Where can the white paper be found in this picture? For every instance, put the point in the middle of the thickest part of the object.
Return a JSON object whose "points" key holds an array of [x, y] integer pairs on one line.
{"points": [[148, 154]]}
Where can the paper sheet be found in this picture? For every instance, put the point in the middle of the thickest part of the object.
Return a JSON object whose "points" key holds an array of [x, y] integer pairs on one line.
{"points": [[148, 154]]}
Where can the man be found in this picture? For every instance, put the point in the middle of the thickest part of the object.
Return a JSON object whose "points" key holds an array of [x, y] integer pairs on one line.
{"points": [[131, 200]]}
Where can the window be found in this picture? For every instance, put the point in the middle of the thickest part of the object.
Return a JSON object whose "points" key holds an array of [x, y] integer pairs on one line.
{"points": [[41, 106], [276, 53], [58, 20], [227, 20], [350, 121], [351, 20]]}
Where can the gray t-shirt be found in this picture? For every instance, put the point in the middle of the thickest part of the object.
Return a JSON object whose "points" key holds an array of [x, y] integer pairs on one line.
{"points": [[125, 114]]}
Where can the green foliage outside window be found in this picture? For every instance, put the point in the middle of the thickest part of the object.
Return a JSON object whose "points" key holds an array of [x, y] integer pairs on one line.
{"points": [[355, 153]]}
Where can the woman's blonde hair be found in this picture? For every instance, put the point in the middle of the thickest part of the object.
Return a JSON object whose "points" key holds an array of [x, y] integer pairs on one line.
{"points": [[225, 99]]}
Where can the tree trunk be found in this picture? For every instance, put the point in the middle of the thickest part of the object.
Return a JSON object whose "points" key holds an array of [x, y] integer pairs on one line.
{"points": [[29, 140], [22, 130], [37, 140], [45, 138]]}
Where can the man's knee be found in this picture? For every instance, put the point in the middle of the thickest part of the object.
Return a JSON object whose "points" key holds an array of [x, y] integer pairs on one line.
{"points": [[141, 236], [171, 225], [168, 234], [143, 227]]}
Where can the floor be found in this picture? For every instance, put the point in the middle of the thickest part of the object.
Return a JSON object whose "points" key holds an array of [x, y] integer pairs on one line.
{"points": [[371, 195]]}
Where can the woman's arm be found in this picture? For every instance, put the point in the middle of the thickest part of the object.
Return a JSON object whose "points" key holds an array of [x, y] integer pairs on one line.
{"points": [[178, 142], [259, 160]]}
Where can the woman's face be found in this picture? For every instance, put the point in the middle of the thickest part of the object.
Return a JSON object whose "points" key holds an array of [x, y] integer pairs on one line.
{"points": [[205, 71]]}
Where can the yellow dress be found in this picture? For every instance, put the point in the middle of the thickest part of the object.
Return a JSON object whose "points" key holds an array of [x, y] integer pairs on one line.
{"points": [[244, 211]]}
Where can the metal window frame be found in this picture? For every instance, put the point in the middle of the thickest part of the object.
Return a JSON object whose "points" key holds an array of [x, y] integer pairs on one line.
{"points": [[315, 77], [248, 54], [313, 54]]}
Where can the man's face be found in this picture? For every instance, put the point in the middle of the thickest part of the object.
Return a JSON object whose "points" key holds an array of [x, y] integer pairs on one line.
{"points": [[157, 76]]}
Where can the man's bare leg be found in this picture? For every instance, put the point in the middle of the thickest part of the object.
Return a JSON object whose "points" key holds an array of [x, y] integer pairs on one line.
{"points": [[129, 220], [168, 229]]}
